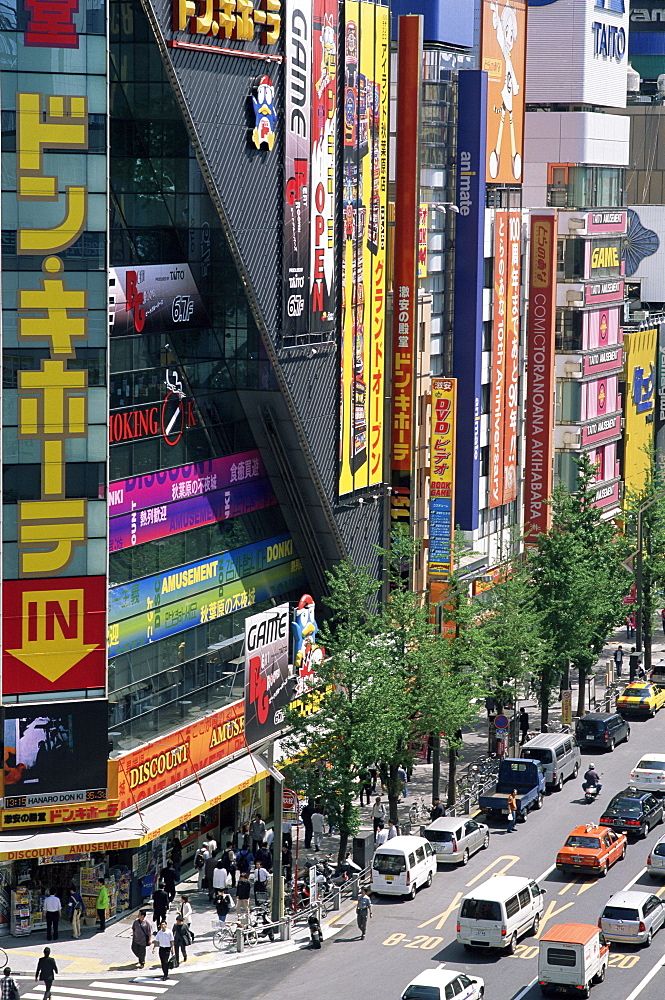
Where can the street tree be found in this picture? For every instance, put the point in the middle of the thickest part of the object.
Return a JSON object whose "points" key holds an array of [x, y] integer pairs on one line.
{"points": [[648, 504]]}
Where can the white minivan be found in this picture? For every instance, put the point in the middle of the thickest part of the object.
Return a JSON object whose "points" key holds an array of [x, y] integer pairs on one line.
{"points": [[499, 912], [401, 865]]}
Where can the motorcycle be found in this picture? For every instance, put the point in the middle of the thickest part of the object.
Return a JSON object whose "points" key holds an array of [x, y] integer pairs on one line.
{"points": [[315, 932], [591, 793]]}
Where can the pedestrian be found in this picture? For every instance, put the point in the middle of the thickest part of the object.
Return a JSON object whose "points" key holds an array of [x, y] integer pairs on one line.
{"points": [[436, 812], [257, 832], [662, 618], [306, 817], [373, 773], [167, 875], [392, 830], [378, 813], [242, 896], [430, 747], [524, 725], [176, 856], [223, 903], [401, 776], [618, 661], [219, 877], [211, 845], [512, 811], [261, 878], [76, 910], [164, 941], [8, 987], [287, 835], [47, 970], [141, 937], [229, 862], [52, 911], [186, 911], [244, 860], [630, 625], [490, 705], [243, 837], [318, 826], [182, 937], [200, 859], [287, 862], [264, 856], [363, 910], [102, 903], [270, 836], [160, 905], [634, 662], [209, 870], [365, 783], [381, 835]]}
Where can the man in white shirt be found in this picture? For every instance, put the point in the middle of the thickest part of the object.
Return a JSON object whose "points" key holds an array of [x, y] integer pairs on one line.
{"points": [[261, 877], [392, 830], [211, 844], [381, 835], [163, 940], [270, 836], [219, 877], [52, 909], [378, 813]]}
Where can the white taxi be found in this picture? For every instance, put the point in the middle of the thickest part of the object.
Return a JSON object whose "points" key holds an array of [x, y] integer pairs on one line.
{"points": [[649, 773]]}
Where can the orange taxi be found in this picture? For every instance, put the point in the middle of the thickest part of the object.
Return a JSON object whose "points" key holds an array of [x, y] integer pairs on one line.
{"points": [[592, 849]]}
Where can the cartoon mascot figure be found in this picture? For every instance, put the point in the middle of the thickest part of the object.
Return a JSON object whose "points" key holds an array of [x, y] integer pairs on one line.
{"points": [[263, 100], [505, 25]]}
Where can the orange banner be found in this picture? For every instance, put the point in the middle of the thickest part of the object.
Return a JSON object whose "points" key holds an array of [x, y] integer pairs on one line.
{"points": [[180, 755]]}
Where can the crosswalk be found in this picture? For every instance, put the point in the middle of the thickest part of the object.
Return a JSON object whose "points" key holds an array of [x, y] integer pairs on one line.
{"points": [[145, 988]]}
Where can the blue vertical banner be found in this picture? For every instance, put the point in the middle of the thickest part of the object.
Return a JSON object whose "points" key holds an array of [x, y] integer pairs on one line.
{"points": [[469, 278]]}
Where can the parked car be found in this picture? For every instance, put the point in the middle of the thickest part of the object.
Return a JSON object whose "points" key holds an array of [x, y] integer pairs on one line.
{"points": [[603, 730], [633, 811], [527, 777], [559, 755], [641, 698], [632, 917], [571, 959], [455, 839], [444, 984], [401, 865], [649, 773], [656, 859], [591, 849]]}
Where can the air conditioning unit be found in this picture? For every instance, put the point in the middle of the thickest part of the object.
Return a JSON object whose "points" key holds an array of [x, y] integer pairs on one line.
{"points": [[570, 439], [574, 295]]}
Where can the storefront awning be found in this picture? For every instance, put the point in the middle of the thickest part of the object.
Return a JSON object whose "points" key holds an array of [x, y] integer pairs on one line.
{"points": [[137, 829]]}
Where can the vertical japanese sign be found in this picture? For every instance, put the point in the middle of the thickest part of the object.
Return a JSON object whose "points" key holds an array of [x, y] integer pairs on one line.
{"points": [[422, 240], [323, 284], [405, 280], [297, 150], [540, 375], [442, 478], [497, 391], [512, 377], [54, 305], [503, 57], [267, 684], [365, 176]]}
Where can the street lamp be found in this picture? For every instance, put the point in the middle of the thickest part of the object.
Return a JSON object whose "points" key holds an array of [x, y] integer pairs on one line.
{"points": [[443, 206], [638, 574]]}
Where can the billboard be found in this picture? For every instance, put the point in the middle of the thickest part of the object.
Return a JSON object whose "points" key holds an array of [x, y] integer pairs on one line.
{"points": [[53, 754], [512, 386], [503, 58], [497, 388], [155, 298], [54, 304], [365, 179], [640, 407], [405, 277], [469, 277], [442, 478], [540, 374], [267, 680], [186, 753]]}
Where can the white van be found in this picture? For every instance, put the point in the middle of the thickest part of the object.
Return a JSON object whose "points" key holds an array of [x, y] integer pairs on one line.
{"points": [[499, 912], [571, 958], [558, 753], [401, 865]]}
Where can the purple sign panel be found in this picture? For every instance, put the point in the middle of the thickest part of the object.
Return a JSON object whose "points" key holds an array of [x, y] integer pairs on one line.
{"points": [[599, 430], [607, 495], [605, 290], [168, 485], [603, 361], [606, 222], [169, 519], [155, 298]]}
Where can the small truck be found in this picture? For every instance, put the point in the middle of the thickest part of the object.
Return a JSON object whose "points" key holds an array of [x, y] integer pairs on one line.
{"points": [[571, 958], [527, 777]]}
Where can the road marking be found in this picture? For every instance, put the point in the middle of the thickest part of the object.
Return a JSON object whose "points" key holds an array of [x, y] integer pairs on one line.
{"points": [[647, 979], [550, 912], [525, 989], [545, 873], [442, 917], [134, 989], [110, 992], [510, 859], [634, 880], [567, 886]]}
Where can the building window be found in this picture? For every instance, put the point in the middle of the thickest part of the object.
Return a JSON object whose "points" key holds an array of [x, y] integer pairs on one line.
{"points": [[585, 187], [569, 330]]}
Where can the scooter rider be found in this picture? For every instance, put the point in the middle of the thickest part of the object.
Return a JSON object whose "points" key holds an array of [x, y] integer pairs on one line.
{"points": [[592, 779]]}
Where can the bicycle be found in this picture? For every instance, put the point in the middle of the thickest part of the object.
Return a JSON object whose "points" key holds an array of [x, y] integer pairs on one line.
{"points": [[4, 959], [224, 935], [418, 811]]}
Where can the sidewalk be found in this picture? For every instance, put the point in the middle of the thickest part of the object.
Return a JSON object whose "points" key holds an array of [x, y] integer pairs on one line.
{"points": [[109, 955]]}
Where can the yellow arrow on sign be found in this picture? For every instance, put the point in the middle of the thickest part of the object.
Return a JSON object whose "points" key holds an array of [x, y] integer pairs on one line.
{"points": [[52, 631]]}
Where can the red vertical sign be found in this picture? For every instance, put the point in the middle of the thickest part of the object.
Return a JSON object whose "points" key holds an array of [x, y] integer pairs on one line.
{"points": [[540, 374], [405, 282], [512, 374], [498, 358]]}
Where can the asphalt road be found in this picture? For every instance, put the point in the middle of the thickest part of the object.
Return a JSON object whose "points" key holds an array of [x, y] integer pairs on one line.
{"points": [[406, 937]]}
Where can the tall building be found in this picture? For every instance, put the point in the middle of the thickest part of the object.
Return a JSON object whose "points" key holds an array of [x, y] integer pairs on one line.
{"points": [[194, 344]]}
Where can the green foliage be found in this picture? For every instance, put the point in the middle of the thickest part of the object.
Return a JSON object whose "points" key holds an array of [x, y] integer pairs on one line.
{"points": [[650, 503]]}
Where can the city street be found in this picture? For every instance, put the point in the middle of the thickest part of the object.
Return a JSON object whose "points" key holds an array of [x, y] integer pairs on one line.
{"points": [[406, 937]]}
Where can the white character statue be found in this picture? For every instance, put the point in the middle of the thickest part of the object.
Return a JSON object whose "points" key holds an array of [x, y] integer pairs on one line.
{"points": [[505, 25]]}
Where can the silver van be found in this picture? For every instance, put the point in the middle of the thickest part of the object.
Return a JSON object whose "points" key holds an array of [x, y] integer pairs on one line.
{"points": [[558, 753]]}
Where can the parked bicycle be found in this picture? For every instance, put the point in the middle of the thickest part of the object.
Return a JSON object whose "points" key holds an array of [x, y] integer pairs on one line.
{"points": [[419, 812]]}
